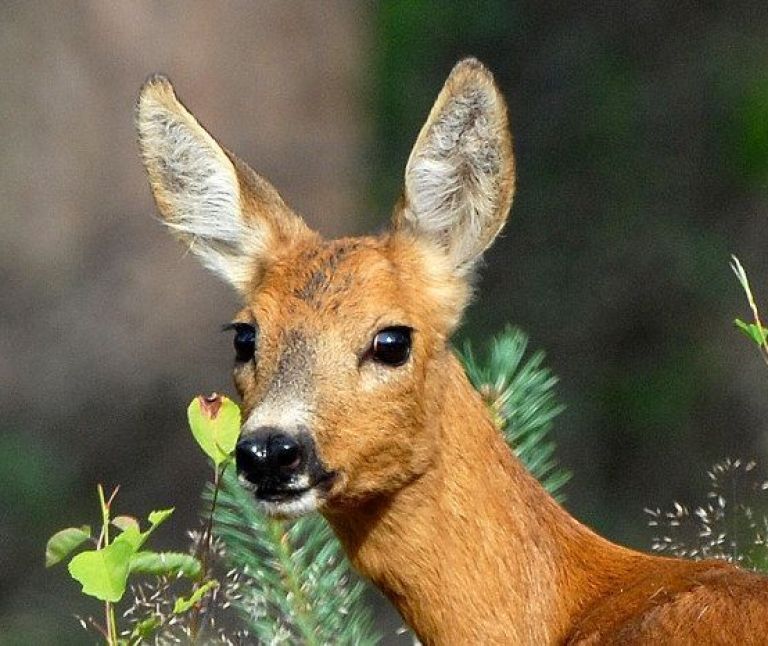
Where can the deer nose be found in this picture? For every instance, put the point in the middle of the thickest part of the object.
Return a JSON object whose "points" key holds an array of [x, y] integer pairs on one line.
{"points": [[268, 455]]}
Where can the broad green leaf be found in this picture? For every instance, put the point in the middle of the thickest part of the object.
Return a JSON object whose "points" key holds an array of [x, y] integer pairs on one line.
{"points": [[165, 563], [215, 424], [752, 331], [124, 522], [63, 543], [103, 573], [183, 604], [133, 537]]}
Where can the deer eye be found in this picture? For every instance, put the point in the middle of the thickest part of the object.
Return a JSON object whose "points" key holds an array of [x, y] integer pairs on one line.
{"points": [[244, 341], [392, 346]]}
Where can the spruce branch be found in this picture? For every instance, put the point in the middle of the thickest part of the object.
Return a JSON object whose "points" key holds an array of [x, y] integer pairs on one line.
{"points": [[520, 392], [300, 586]]}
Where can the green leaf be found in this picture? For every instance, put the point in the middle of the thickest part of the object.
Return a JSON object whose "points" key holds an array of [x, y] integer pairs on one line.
{"points": [[158, 517], [103, 573], [165, 563], [183, 604], [752, 331], [133, 537], [124, 522], [63, 543], [215, 424]]}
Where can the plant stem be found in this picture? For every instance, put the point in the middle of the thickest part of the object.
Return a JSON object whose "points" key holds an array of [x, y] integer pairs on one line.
{"points": [[104, 535], [109, 609], [97, 627], [208, 532], [111, 624], [741, 274], [205, 548]]}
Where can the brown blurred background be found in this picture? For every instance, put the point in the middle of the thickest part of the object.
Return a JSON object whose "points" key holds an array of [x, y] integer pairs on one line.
{"points": [[642, 146]]}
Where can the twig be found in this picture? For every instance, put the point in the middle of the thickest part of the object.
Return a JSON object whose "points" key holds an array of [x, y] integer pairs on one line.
{"points": [[109, 608], [742, 277], [204, 548], [97, 627]]}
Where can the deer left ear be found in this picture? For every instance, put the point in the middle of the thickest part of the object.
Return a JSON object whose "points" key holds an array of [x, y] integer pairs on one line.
{"points": [[460, 176], [229, 216]]}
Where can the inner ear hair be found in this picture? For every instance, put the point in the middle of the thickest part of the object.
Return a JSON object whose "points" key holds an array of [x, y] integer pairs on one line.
{"points": [[225, 213], [459, 178]]}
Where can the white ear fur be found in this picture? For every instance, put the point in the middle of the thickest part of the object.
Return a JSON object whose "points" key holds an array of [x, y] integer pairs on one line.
{"points": [[459, 179], [205, 196]]}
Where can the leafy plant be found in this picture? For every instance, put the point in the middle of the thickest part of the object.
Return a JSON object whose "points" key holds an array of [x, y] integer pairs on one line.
{"points": [[300, 586], [104, 571], [755, 330]]}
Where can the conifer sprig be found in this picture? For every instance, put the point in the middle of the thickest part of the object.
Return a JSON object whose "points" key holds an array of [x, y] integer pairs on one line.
{"points": [[520, 393], [300, 587]]}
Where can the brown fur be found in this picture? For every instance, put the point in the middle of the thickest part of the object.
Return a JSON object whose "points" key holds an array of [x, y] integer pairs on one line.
{"points": [[429, 502]]}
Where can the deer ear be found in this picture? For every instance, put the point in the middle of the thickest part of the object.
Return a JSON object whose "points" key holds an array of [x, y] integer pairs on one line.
{"points": [[223, 211], [460, 176]]}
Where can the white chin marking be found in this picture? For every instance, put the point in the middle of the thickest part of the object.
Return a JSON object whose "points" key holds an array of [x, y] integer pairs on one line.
{"points": [[301, 505]]}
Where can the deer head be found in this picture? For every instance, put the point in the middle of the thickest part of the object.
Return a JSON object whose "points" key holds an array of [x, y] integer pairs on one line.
{"points": [[339, 343]]}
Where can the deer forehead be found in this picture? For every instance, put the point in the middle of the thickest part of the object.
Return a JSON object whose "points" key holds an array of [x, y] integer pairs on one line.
{"points": [[318, 307], [336, 286]]}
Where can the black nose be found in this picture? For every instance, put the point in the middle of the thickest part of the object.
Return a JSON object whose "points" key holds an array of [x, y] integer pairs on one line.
{"points": [[270, 456]]}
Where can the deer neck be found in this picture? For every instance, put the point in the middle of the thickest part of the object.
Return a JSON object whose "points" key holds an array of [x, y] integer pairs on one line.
{"points": [[475, 551]]}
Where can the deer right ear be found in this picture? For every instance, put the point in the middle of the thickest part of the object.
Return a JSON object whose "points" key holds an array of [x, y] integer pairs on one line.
{"points": [[460, 176], [223, 211]]}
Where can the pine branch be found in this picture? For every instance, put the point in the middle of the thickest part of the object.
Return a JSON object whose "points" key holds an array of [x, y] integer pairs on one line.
{"points": [[520, 393], [301, 588]]}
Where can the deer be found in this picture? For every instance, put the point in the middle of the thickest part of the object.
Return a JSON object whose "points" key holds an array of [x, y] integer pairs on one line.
{"points": [[356, 407]]}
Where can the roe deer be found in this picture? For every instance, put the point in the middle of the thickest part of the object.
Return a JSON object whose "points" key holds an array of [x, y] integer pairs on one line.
{"points": [[356, 407]]}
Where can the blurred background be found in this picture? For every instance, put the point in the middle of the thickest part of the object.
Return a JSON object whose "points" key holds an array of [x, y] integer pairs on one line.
{"points": [[642, 149]]}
